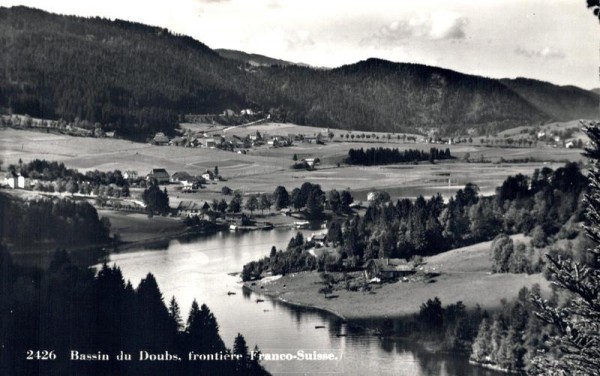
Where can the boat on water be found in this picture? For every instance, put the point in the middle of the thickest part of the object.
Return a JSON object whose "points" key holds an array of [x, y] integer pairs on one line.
{"points": [[319, 326], [260, 300], [230, 293], [301, 224]]}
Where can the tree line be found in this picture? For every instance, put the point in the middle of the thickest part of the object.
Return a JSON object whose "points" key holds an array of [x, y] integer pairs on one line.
{"points": [[58, 221], [383, 156], [547, 203], [162, 76]]}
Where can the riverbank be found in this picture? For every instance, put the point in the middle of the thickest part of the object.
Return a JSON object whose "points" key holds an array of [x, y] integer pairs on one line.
{"points": [[464, 275]]}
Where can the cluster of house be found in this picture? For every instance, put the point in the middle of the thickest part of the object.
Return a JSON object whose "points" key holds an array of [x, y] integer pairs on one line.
{"points": [[180, 177], [227, 142]]}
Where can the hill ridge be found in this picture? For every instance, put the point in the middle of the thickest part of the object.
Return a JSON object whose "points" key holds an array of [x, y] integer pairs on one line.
{"points": [[139, 79]]}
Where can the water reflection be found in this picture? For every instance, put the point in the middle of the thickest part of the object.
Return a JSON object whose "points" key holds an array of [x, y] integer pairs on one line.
{"points": [[198, 269]]}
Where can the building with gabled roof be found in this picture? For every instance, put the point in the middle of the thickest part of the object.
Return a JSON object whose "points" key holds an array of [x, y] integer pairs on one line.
{"points": [[160, 174]]}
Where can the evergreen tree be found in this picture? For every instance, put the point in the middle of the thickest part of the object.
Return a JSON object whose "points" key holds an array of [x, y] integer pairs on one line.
{"points": [[240, 348], [314, 204], [235, 205], [175, 313], [577, 322], [281, 198]]}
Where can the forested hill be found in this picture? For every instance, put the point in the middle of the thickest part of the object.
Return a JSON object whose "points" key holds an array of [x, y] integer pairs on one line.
{"points": [[253, 59], [561, 102], [139, 79]]}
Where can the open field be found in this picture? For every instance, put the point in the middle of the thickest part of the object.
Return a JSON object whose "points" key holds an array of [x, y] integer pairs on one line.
{"points": [[557, 126], [136, 227], [465, 276], [264, 168]]}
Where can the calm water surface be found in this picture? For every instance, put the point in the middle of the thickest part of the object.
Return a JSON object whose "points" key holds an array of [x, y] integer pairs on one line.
{"points": [[199, 268]]}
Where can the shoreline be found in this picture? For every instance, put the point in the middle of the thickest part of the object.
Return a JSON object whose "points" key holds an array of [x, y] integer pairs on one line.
{"points": [[275, 296], [398, 299]]}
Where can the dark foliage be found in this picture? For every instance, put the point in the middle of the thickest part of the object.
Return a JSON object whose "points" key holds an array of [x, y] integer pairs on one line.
{"points": [[383, 156], [50, 221], [513, 336], [545, 202], [452, 326], [51, 171], [139, 79], [156, 201], [67, 308]]}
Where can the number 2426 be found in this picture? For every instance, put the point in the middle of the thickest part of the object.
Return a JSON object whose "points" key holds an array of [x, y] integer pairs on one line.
{"points": [[41, 355]]}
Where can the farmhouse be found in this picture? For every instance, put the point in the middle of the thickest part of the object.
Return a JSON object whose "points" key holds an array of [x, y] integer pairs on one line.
{"points": [[178, 141], [11, 180], [160, 139], [386, 269], [189, 208], [319, 239], [311, 162], [160, 174], [130, 175], [182, 177], [208, 143]]}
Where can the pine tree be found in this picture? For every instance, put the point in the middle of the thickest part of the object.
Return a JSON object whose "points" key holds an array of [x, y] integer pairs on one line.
{"points": [[578, 321], [175, 313]]}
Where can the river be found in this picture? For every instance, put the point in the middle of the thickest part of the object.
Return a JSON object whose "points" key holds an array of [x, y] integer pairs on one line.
{"points": [[200, 269]]}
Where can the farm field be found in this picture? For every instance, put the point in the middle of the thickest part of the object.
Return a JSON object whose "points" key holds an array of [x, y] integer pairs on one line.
{"points": [[264, 168]]}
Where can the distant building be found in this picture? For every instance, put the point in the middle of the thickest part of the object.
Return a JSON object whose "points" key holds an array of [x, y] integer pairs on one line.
{"points": [[182, 177], [247, 111], [311, 162], [189, 208], [178, 141], [160, 174], [160, 139], [130, 175], [22, 182], [210, 175], [208, 143], [388, 268], [11, 180], [318, 239]]}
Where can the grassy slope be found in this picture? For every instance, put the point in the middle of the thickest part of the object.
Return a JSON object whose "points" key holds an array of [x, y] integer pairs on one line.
{"points": [[465, 277]]}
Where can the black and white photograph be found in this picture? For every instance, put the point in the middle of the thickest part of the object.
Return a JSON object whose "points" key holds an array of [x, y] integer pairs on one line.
{"points": [[299, 187]]}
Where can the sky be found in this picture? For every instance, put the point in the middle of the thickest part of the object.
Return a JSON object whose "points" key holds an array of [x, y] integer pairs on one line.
{"points": [[550, 40]]}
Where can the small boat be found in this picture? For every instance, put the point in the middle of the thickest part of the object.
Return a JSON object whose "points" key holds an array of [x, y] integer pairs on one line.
{"points": [[301, 224], [319, 326], [260, 300], [266, 310], [230, 293]]}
